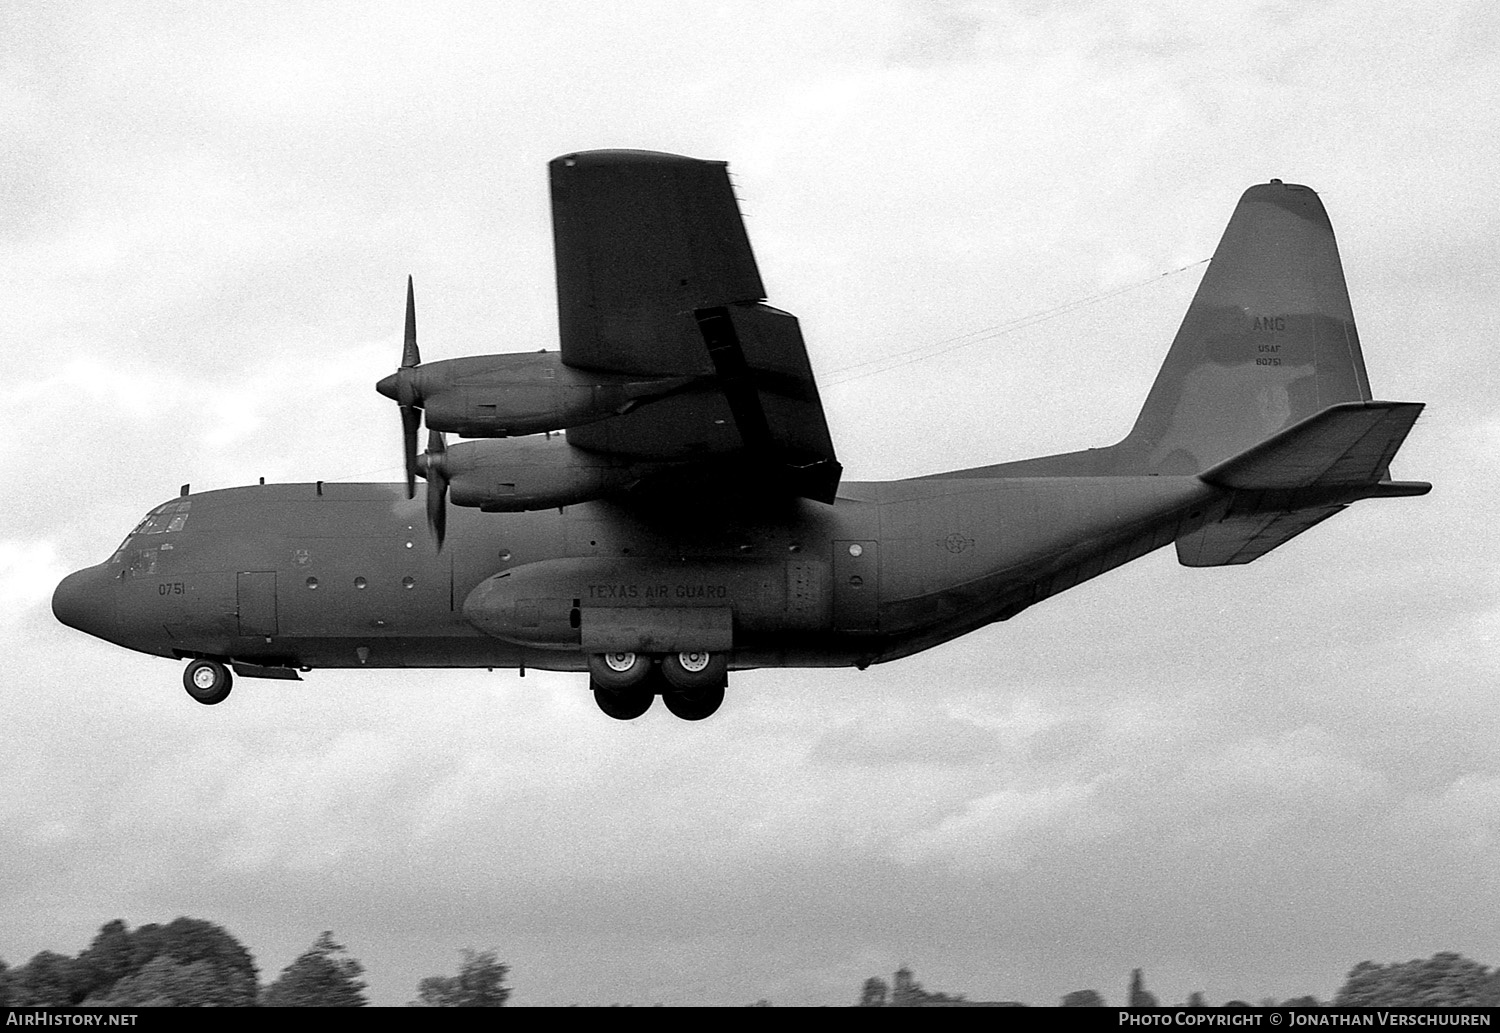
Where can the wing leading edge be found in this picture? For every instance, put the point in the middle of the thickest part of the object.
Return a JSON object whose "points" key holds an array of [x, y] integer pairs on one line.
{"points": [[655, 276]]}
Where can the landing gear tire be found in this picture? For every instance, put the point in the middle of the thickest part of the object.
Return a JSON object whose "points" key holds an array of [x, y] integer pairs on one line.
{"points": [[695, 671], [623, 704], [207, 681], [618, 671], [695, 706]]}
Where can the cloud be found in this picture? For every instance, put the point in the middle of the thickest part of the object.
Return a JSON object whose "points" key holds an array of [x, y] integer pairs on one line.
{"points": [[29, 571], [1465, 813], [922, 737], [938, 33], [1012, 827]]}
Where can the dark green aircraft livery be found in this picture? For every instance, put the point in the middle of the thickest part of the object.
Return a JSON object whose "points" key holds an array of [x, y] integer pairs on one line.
{"points": [[691, 519]]}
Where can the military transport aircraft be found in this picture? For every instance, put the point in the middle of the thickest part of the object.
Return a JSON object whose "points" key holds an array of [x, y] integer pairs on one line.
{"points": [[691, 519]]}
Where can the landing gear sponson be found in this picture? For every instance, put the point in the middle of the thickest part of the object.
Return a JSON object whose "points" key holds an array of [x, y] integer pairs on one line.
{"points": [[691, 684]]}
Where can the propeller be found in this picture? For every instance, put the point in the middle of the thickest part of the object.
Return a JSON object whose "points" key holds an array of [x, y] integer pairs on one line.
{"points": [[433, 465], [401, 387]]}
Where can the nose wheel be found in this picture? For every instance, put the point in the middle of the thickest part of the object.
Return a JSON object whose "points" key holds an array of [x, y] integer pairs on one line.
{"points": [[207, 681]]}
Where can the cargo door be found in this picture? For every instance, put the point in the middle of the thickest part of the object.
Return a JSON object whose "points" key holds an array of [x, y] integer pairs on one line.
{"points": [[856, 585], [256, 594]]}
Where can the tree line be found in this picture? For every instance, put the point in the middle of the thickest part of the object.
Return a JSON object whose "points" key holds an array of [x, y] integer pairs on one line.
{"points": [[193, 963], [190, 962], [1446, 980]]}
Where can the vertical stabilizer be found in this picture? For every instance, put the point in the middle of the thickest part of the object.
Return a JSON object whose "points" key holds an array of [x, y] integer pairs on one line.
{"points": [[1269, 340]]}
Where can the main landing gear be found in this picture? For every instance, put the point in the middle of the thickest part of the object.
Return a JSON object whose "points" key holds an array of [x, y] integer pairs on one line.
{"points": [[207, 681], [691, 684]]}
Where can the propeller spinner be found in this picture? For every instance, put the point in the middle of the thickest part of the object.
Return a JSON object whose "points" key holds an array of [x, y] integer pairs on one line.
{"points": [[401, 387]]}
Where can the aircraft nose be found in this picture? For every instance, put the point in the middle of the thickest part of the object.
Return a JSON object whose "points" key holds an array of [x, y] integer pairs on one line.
{"points": [[85, 600]]}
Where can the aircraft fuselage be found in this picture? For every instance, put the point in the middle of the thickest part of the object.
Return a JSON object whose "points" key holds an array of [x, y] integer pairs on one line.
{"points": [[347, 575]]}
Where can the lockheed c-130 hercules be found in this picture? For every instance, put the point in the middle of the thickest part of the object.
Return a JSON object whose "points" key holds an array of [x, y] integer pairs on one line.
{"points": [[691, 518]]}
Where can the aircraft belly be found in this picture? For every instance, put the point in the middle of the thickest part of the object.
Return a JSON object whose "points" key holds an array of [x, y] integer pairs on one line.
{"points": [[464, 648]]}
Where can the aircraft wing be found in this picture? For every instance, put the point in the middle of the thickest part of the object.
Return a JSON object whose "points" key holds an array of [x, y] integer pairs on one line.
{"points": [[655, 277]]}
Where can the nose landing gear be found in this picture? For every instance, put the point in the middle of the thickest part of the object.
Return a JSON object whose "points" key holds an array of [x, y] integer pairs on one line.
{"points": [[207, 681]]}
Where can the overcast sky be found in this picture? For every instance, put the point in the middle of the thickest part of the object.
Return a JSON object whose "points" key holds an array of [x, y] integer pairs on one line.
{"points": [[1242, 780]]}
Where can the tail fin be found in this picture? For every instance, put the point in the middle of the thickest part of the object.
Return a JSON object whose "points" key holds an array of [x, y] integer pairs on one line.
{"points": [[1268, 341]]}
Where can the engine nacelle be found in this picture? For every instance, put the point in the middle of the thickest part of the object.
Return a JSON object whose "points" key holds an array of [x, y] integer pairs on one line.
{"points": [[495, 396], [523, 474]]}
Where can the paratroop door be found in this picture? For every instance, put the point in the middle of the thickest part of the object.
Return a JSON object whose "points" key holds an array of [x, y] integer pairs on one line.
{"points": [[856, 585]]}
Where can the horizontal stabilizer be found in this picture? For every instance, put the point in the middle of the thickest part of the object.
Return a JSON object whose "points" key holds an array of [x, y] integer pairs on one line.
{"points": [[1301, 477], [1347, 444], [1245, 538]]}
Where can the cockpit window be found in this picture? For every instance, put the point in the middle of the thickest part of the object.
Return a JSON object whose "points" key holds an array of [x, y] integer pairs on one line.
{"points": [[164, 519], [170, 517]]}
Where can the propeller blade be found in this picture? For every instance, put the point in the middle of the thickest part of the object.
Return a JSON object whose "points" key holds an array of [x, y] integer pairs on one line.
{"points": [[410, 356], [437, 510], [400, 386], [435, 470], [410, 419]]}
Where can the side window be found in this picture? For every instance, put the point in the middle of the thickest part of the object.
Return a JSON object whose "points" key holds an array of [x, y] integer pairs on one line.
{"points": [[142, 563]]}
